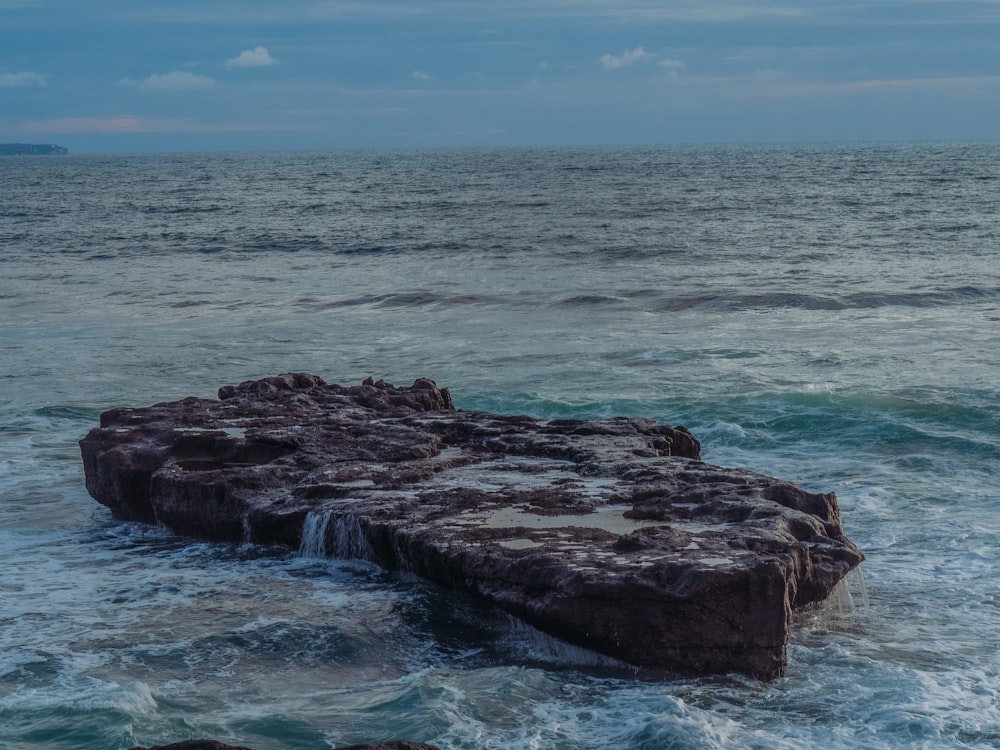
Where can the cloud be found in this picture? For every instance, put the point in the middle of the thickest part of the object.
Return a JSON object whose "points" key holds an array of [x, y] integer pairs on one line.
{"points": [[15, 80], [134, 124], [673, 67], [949, 84], [700, 12], [258, 57], [179, 80], [420, 75], [628, 57]]}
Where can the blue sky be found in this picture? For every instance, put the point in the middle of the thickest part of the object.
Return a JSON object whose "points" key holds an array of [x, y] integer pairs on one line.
{"points": [[180, 75]]}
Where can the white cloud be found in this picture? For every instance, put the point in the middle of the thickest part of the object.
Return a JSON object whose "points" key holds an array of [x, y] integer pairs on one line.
{"points": [[179, 80], [258, 57], [15, 80], [628, 57], [135, 124], [420, 75], [673, 67], [950, 85]]}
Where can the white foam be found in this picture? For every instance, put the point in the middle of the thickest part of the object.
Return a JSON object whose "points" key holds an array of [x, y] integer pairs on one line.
{"points": [[84, 693], [13, 660]]}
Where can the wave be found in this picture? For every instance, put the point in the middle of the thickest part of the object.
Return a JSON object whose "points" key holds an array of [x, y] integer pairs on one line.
{"points": [[403, 248], [590, 300], [874, 418], [740, 301], [415, 298]]}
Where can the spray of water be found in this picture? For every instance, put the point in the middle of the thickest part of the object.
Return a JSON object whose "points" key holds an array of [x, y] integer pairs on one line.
{"points": [[856, 579], [849, 596]]}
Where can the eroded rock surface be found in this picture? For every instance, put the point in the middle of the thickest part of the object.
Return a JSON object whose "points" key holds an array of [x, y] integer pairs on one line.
{"points": [[610, 534]]}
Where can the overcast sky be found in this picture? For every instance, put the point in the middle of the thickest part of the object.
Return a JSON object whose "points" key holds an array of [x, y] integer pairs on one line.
{"points": [[180, 75]]}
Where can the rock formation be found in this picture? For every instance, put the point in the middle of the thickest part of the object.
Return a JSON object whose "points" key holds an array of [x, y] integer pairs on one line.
{"points": [[610, 534]]}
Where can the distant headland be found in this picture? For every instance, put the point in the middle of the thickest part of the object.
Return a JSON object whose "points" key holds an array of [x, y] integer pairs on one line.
{"points": [[33, 149]]}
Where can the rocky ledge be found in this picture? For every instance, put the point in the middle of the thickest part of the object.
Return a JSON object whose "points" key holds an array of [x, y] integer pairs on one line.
{"points": [[612, 534]]}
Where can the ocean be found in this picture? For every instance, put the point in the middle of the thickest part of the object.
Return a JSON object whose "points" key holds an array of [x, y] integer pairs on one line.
{"points": [[828, 314]]}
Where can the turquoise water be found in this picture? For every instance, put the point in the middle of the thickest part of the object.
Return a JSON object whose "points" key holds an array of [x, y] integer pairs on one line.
{"points": [[827, 314]]}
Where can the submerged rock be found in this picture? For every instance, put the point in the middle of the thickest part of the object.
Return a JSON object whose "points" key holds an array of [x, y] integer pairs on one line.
{"points": [[610, 534]]}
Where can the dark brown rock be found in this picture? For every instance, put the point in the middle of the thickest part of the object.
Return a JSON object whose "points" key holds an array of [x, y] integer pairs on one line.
{"points": [[611, 534]]}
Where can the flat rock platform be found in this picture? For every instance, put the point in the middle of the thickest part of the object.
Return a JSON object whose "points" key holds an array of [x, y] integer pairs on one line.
{"points": [[612, 535]]}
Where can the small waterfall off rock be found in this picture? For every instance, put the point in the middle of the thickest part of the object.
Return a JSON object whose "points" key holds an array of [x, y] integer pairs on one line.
{"points": [[856, 579], [349, 540], [533, 644], [842, 599], [313, 542], [325, 534], [248, 537]]}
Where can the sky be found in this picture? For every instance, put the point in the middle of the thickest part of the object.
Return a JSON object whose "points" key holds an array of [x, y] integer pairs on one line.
{"points": [[123, 76]]}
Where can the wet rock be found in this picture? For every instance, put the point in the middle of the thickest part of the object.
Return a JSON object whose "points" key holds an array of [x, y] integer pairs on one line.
{"points": [[611, 534]]}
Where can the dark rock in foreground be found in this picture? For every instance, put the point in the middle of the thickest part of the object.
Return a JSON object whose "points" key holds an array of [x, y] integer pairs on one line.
{"points": [[610, 534]]}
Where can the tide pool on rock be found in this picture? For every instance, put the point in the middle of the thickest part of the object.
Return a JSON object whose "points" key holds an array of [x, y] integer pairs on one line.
{"points": [[610, 534]]}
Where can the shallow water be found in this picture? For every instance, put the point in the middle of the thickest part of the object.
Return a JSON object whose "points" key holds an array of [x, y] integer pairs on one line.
{"points": [[827, 314]]}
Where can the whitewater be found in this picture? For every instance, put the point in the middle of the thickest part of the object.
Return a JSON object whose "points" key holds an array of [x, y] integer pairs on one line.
{"points": [[828, 314]]}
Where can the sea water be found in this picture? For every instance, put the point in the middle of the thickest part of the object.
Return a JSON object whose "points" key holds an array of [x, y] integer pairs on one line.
{"points": [[827, 314]]}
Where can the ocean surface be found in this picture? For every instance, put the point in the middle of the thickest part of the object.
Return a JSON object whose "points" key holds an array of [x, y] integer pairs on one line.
{"points": [[826, 314]]}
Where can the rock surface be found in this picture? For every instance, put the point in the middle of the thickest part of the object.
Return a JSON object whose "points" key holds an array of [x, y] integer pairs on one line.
{"points": [[611, 534]]}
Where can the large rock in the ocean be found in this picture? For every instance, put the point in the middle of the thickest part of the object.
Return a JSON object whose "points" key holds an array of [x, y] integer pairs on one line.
{"points": [[610, 534]]}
